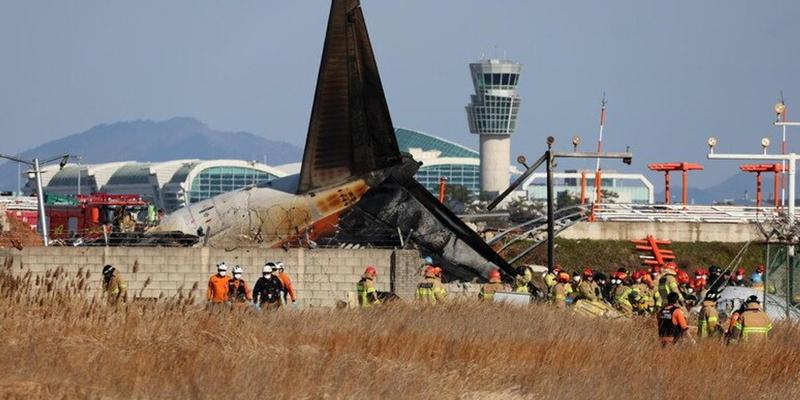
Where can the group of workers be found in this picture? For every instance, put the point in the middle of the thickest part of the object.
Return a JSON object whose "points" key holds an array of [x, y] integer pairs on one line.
{"points": [[666, 292], [272, 290]]}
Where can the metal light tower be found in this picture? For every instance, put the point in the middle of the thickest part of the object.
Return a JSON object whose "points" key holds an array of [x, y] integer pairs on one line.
{"points": [[36, 164]]}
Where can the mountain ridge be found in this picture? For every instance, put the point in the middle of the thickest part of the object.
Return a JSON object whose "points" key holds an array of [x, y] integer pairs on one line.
{"points": [[147, 140]]}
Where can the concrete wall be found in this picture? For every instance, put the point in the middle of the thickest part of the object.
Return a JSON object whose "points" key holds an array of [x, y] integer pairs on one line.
{"points": [[676, 231], [321, 276]]}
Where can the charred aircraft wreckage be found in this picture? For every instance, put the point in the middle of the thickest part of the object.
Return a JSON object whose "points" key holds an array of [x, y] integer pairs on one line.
{"points": [[353, 182]]}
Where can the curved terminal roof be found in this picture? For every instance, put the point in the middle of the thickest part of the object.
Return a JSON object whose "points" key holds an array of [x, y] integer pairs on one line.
{"points": [[408, 139]]}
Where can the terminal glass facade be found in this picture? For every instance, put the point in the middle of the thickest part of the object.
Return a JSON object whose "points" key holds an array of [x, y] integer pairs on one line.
{"points": [[217, 180], [465, 175]]}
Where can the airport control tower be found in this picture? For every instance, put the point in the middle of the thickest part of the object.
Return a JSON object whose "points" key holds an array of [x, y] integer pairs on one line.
{"points": [[492, 114]]}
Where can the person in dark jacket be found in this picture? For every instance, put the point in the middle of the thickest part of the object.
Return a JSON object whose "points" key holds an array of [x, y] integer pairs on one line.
{"points": [[269, 289]]}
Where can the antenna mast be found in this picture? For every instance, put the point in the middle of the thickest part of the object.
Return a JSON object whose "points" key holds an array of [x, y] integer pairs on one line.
{"points": [[602, 123]]}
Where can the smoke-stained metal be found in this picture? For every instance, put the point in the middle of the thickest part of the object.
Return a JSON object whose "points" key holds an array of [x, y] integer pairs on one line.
{"points": [[350, 118]]}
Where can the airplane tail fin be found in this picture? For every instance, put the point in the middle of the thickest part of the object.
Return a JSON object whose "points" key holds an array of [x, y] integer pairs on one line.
{"points": [[350, 132]]}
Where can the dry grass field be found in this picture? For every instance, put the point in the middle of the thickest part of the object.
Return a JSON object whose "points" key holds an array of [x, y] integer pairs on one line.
{"points": [[55, 343]]}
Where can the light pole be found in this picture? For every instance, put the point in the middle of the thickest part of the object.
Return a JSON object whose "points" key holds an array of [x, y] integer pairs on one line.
{"points": [[36, 164], [791, 160], [78, 163], [550, 156]]}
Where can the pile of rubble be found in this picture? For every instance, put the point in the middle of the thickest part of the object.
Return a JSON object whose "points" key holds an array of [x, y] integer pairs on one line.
{"points": [[17, 234]]}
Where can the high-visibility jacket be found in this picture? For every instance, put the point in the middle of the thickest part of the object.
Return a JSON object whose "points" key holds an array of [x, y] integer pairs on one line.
{"points": [[669, 284], [622, 298], [115, 288], [646, 301], [559, 295], [550, 280], [218, 288], [588, 291], [753, 323], [708, 319], [367, 294], [521, 284], [431, 290], [488, 290]]}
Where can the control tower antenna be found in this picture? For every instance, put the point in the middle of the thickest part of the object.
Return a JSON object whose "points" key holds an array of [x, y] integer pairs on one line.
{"points": [[602, 123]]}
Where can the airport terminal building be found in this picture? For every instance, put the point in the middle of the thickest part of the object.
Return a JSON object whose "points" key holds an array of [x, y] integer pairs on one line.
{"points": [[169, 185]]}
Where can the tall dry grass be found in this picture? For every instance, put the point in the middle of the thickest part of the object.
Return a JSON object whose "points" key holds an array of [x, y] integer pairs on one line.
{"points": [[56, 342]]}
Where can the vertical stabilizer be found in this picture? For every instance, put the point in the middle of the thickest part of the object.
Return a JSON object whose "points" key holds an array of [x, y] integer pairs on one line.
{"points": [[350, 132]]}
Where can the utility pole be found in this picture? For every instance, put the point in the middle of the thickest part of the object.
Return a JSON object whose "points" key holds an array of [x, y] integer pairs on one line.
{"points": [[550, 156], [37, 170]]}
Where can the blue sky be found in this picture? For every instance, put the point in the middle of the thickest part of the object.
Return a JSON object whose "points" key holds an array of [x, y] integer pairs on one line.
{"points": [[675, 72]]}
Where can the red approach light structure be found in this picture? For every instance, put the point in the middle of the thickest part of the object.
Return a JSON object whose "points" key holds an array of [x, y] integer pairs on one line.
{"points": [[684, 167], [658, 256], [442, 188], [776, 169]]}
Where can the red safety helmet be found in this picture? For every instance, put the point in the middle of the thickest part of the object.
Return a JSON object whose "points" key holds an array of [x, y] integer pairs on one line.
{"points": [[587, 272], [699, 283], [683, 277], [761, 269], [430, 271], [564, 277], [700, 272], [655, 269], [437, 271], [621, 275], [494, 274], [371, 271], [557, 269], [637, 275], [671, 265]]}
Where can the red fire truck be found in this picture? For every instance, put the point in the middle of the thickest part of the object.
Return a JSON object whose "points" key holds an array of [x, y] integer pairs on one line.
{"points": [[90, 216]]}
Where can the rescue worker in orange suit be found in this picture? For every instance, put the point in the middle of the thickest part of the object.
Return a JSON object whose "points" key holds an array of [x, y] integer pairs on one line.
{"points": [[753, 323], [218, 285], [268, 291], [289, 293], [708, 319], [495, 285], [238, 291], [430, 290], [587, 288], [114, 288], [365, 289], [560, 291], [672, 324]]}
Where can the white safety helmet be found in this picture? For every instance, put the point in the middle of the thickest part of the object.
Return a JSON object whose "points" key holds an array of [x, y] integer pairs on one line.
{"points": [[280, 265], [268, 268], [222, 267], [237, 270]]}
